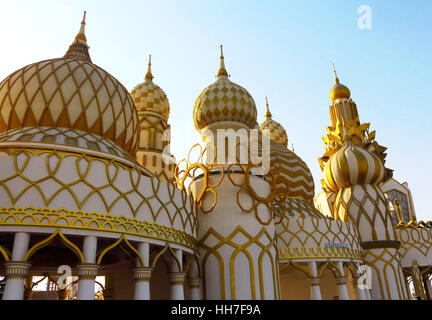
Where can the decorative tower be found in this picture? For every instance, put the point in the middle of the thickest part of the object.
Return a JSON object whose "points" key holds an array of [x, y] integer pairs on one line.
{"points": [[353, 170], [236, 228], [153, 112]]}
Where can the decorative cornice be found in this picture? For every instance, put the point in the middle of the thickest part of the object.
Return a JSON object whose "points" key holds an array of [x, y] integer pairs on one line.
{"points": [[142, 274], [17, 269], [88, 271], [315, 281], [62, 218], [194, 282], [341, 280], [176, 278]]}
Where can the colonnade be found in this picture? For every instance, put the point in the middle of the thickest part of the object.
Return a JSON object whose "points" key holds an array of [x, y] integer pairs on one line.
{"points": [[341, 280], [17, 270]]}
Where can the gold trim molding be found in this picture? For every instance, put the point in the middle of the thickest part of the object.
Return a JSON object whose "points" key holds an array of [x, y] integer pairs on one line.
{"points": [[62, 218], [317, 253], [379, 244]]}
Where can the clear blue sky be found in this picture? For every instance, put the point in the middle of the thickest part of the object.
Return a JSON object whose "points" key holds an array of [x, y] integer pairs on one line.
{"points": [[279, 49]]}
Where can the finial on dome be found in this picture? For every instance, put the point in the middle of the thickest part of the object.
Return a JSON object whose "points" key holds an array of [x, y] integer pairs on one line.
{"points": [[79, 48], [336, 77], [149, 75], [268, 113], [222, 71], [339, 90]]}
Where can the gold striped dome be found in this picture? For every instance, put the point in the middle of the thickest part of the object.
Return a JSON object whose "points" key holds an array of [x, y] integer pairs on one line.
{"points": [[294, 179], [276, 131], [70, 92], [224, 100], [352, 165], [147, 96]]}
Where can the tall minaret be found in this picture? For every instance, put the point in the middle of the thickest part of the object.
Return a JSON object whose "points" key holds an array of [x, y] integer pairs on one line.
{"points": [[236, 229], [352, 174], [153, 109]]}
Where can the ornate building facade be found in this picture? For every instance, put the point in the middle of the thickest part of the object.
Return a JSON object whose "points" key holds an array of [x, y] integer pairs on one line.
{"points": [[88, 184]]}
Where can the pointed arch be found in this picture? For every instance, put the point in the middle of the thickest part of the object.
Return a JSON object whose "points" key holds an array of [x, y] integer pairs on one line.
{"points": [[58, 234], [167, 248], [5, 254], [117, 243]]}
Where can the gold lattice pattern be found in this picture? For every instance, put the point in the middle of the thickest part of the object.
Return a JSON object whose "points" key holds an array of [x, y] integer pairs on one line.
{"points": [[69, 93], [55, 179], [64, 136], [276, 132], [258, 248], [294, 178], [240, 176], [366, 207], [63, 218], [224, 101], [415, 240], [149, 97], [387, 266], [304, 233]]}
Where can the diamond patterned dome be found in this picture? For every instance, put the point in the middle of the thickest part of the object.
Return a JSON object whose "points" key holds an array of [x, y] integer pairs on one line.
{"points": [[277, 133], [224, 100], [147, 96], [69, 93]]}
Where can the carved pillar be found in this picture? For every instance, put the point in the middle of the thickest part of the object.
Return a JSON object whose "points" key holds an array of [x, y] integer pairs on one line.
{"points": [[142, 283]]}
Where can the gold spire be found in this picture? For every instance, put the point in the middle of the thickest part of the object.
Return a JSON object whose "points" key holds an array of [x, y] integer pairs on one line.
{"points": [[336, 77], [81, 34], [268, 113], [222, 71], [149, 75], [79, 48], [339, 90]]}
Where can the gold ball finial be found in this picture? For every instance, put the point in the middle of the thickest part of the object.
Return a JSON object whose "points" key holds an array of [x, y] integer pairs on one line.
{"points": [[339, 90]]}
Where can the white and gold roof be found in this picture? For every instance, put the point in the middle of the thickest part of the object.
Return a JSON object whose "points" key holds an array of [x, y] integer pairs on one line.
{"points": [[224, 100], [276, 131], [147, 96], [70, 92], [352, 165]]}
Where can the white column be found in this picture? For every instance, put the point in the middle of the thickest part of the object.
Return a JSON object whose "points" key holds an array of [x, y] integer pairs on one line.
{"points": [[361, 293], [176, 276], [176, 280], [142, 274], [314, 282], [142, 283], [88, 271], [16, 270], [341, 282], [194, 283]]}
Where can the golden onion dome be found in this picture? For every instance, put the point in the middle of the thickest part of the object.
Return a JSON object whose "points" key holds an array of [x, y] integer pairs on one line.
{"points": [[339, 90], [224, 100], [147, 96], [352, 165], [275, 131], [294, 179], [70, 92]]}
